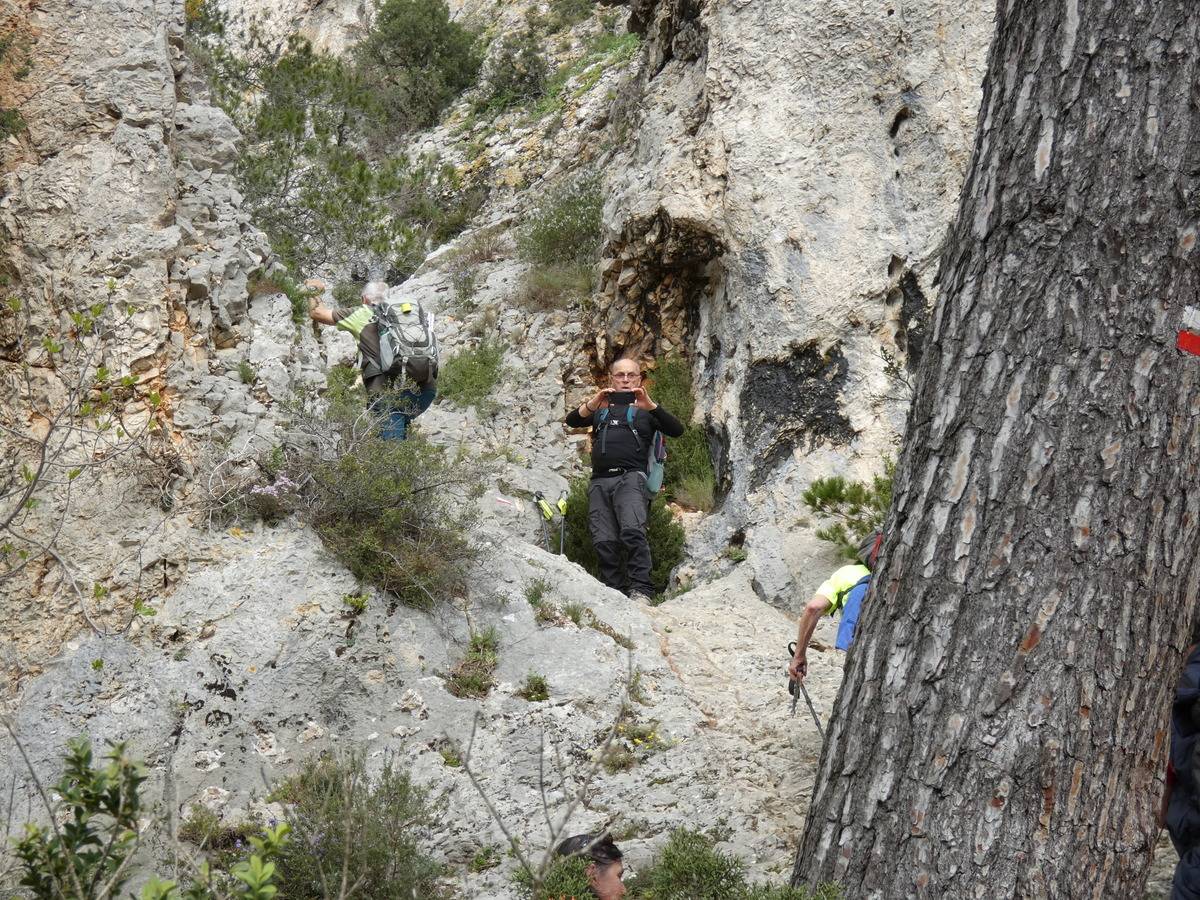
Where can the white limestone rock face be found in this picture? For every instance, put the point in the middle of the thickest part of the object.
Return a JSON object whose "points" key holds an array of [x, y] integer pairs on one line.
{"points": [[123, 195], [795, 169], [331, 26], [255, 664]]}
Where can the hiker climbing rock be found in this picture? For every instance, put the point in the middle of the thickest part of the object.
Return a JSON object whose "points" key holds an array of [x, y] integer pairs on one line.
{"points": [[396, 345], [845, 589], [605, 868], [626, 428], [1180, 811]]}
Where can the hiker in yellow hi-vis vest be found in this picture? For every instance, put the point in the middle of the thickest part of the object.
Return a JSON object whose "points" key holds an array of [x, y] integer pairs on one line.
{"points": [[396, 345], [844, 590]]}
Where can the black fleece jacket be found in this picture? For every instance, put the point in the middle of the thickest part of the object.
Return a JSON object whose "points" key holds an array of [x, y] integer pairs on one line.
{"points": [[615, 449]]}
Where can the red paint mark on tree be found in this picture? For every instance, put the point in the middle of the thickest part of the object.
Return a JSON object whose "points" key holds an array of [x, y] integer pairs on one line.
{"points": [[1032, 638], [1188, 342]]}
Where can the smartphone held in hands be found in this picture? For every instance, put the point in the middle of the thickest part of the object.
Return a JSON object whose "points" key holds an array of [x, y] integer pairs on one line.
{"points": [[620, 397]]}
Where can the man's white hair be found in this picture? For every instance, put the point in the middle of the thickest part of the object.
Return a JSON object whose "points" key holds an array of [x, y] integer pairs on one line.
{"points": [[374, 291]]}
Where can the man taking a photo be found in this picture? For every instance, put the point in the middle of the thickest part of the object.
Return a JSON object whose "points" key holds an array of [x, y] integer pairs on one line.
{"points": [[623, 420]]}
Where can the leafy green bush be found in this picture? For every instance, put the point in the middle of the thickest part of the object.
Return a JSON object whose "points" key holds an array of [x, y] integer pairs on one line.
{"points": [[666, 536], [384, 510], [342, 822], [857, 507], [563, 878], [518, 71], [86, 856], [472, 676], [348, 294], [282, 281], [91, 848], [565, 228], [690, 869], [414, 62], [688, 459], [306, 116], [468, 377], [556, 286]]}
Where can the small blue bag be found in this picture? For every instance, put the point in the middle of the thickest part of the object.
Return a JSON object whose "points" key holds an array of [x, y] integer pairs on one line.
{"points": [[851, 607]]}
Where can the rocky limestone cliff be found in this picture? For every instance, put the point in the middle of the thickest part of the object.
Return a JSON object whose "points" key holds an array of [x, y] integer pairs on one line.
{"points": [[779, 179], [780, 216]]}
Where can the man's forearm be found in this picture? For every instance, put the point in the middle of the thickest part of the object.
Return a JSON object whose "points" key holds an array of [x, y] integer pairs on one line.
{"points": [[321, 314], [808, 624]]}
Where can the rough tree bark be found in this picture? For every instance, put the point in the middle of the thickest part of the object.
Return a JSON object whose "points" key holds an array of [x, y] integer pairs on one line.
{"points": [[1002, 725]]}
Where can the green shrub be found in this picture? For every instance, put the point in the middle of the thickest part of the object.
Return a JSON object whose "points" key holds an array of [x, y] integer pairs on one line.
{"points": [[556, 286], [98, 810], [666, 536], [690, 869], [340, 818], [688, 459], [565, 13], [606, 50], [563, 878], [345, 396], [305, 117], [413, 63], [857, 507], [348, 294], [536, 591], [10, 120], [565, 228], [485, 858], [696, 492], [246, 372], [574, 611], [384, 509], [472, 676], [356, 604], [103, 804], [281, 281], [468, 377], [535, 688], [518, 72]]}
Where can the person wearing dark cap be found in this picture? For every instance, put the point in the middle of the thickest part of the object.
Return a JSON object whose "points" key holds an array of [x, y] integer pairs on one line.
{"points": [[604, 867], [843, 590]]}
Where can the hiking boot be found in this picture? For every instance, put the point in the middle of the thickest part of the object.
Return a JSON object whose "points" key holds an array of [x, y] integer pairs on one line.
{"points": [[639, 597]]}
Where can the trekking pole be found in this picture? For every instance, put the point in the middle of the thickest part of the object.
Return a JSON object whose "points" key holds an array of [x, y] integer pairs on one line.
{"points": [[546, 515], [793, 683], [562, 522]]}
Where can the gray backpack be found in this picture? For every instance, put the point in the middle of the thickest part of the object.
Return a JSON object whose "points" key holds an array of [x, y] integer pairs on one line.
{"points": [[407, 344]]}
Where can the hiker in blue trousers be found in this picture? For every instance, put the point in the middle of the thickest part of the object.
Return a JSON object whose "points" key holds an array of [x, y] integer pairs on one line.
{"points": [[407, 354]]}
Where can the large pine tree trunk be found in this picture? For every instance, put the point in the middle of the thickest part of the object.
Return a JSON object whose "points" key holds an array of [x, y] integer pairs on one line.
{"points": [[1002, 726]]}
